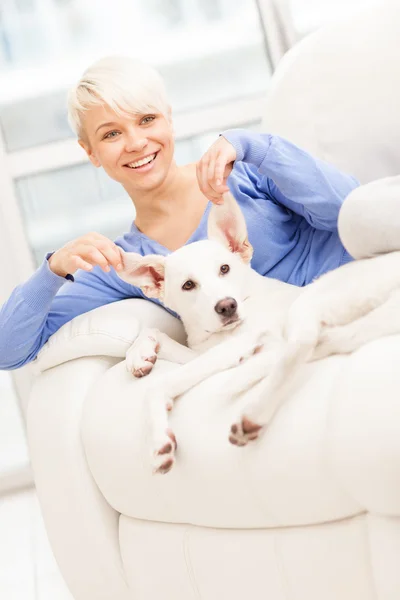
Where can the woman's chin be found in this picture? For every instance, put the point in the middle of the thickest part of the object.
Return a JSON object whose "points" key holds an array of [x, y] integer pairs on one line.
{"points": [[146, 181]]}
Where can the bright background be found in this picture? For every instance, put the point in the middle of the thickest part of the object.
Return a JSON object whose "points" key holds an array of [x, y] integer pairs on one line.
{"points": [[217, 57]]}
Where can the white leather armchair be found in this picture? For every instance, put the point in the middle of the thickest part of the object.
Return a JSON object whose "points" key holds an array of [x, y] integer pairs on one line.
{"points": [[309, 512]]}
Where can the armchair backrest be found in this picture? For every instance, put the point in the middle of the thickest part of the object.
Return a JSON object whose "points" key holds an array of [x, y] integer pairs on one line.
{"points": [[337, 93]]}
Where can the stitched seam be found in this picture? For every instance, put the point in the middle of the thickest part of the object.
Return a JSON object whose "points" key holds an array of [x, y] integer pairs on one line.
{"points": [[282, 571], [188, 562], [371, 564], [79, 334]]}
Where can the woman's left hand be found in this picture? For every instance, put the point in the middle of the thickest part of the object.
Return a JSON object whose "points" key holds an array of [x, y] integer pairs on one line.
{"points": [[214, 168]]}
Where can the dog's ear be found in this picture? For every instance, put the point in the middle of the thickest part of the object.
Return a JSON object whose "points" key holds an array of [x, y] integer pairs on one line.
{"points": [[226, 225], [146, 272]]}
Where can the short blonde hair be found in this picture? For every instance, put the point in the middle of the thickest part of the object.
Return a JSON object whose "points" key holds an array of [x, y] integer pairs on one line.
{"points": [[127, 85]]}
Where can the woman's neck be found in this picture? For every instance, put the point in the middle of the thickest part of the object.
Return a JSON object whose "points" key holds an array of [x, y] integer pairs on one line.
{"points": [[178, 194], [164, 201], [171, 214]]}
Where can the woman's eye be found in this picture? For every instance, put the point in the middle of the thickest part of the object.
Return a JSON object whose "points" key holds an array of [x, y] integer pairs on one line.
{"points": [[110, 135], [188, 285], [224, 269], [147, 119]]}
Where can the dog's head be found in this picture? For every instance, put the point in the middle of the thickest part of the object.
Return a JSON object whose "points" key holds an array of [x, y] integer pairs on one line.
{"points": [[204, 282]]}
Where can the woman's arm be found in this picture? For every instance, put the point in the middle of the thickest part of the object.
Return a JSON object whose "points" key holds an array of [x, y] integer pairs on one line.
{"points": [[39, 307], [289, 175]]}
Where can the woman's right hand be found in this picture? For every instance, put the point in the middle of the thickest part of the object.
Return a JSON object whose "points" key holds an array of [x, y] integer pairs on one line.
{"points": [[85, 253], [214, 168]]}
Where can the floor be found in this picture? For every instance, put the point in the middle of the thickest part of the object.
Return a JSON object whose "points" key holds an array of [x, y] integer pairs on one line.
{"points": [[28, 570]]}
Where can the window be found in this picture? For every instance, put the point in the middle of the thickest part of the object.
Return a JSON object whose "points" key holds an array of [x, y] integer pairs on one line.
{"points": [[208, 51]]}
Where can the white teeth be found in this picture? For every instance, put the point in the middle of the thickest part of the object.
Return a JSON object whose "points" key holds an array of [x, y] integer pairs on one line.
{"points": [[142, 162]]}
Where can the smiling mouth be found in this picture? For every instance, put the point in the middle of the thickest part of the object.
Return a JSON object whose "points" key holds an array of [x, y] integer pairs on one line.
{"points": [[139, 164]]}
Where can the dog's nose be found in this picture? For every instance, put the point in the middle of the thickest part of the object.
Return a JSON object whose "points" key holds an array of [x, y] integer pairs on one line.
{"points": [[226, 307]]}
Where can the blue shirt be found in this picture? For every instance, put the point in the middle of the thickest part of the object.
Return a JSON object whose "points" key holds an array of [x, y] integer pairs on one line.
{"points": [[290, 201]]}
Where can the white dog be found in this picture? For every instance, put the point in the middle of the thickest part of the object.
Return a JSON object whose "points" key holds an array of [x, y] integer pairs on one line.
{"points": [[231, 313]]}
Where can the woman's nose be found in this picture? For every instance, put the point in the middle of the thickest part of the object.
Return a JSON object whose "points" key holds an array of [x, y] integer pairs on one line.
{"points": [[135, 142]]}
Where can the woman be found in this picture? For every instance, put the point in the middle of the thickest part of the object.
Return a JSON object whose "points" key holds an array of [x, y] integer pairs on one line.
{"points": [[121, 115]]}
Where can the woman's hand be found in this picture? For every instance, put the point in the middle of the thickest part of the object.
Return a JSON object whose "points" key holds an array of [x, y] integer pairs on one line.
{"points": [[214, 168], [84, 253]]}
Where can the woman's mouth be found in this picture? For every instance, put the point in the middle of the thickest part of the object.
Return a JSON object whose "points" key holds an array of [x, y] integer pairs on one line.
{"points": [[144, 164]]}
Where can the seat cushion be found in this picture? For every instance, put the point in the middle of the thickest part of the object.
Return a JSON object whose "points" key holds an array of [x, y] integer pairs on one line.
{"points": [[285, 478]]}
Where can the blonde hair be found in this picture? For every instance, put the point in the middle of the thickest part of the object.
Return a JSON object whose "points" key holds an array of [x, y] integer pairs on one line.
{"points": [[127, 85]]}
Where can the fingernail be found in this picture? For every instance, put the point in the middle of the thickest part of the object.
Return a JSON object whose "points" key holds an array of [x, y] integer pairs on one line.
{"points": [[119, 267], [107, 269], [218, 182]]}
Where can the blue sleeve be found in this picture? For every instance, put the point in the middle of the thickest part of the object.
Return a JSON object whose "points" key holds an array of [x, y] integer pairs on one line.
{"points": [[39, 307], [305, 185]]}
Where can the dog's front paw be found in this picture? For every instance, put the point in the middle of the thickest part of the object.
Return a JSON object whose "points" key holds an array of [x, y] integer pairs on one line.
{"points": [[244, 431], [254, 345], [142, 355], [247, 346], [164, 452]]}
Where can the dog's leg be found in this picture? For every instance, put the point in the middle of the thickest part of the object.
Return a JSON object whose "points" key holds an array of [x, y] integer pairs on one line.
{"points": [[380, 322], [163, 443], [266, 396], [251, 371], [225, 355], [351, 291], [150, 344], [161, 393]]}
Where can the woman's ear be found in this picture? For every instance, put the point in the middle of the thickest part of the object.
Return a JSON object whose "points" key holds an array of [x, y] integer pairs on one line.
{"points": [[92, 157]]}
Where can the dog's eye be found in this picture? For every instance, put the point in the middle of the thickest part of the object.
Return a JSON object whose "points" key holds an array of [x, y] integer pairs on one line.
{"points": [[188, 285], [225, 269]]}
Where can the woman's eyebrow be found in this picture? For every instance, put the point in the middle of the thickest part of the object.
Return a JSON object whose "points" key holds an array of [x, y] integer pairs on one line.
{"points": [[105, 125]]}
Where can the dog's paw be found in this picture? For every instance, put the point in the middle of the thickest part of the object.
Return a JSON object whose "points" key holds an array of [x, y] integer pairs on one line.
{"points": [[164, 452], [244, 431], [142, 355], [236, 354], [335, 340], [255, 346]]}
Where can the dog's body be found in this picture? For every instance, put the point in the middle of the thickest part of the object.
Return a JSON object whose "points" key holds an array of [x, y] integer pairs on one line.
{"points": [[231, 313]]}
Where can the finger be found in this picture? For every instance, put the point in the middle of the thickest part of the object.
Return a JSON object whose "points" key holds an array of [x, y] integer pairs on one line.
{"points": [[111, 253], [104, 244], [206, 188], [81, 264], [211, 172], [220, 164], [215, 198], [203, 177], [217, 174], [94, 257]]}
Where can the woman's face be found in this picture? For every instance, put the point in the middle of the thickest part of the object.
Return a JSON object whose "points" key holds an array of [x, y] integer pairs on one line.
{"points": [[135, 150]]}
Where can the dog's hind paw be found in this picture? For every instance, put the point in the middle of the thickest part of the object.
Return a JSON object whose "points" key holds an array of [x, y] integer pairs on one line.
{"points": [[244, 431], [164, 453]]}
